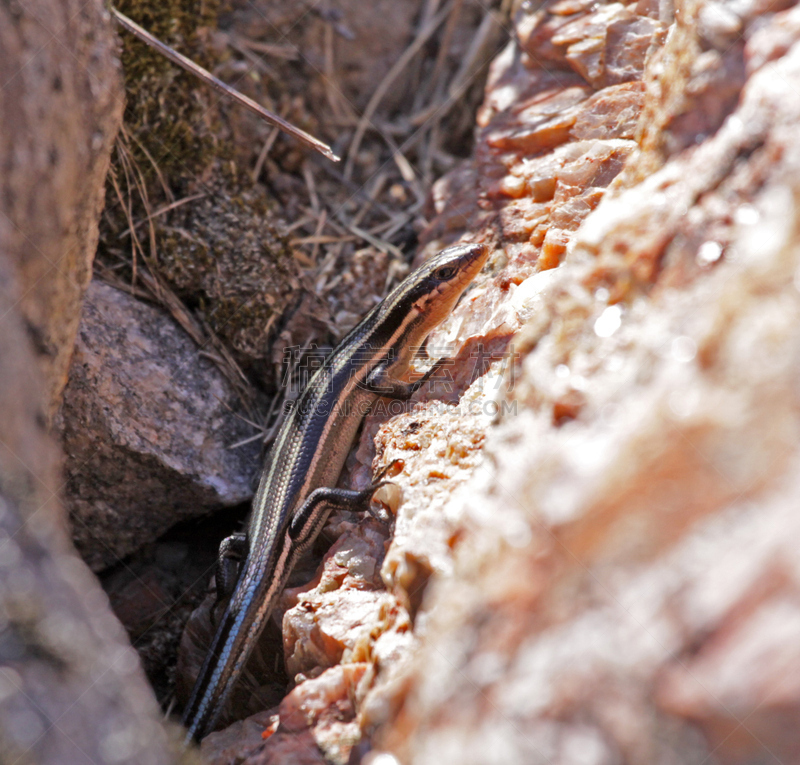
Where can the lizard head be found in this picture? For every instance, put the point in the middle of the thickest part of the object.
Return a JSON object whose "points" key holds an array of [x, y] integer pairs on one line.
{"points": [[429, 294]]}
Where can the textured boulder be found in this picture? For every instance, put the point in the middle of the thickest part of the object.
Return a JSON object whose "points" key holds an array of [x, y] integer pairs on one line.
{"points": [[50, 155], [625, 586], [147, 424], [71, 686]]}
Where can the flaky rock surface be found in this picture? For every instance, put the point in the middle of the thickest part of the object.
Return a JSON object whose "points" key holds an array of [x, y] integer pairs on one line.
{"points": [[626, 588], [147, 424]]}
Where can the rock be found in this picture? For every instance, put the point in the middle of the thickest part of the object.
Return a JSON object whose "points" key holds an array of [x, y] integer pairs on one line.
{"points": [[542, 125], [314, 725], [629, 41], [239, 740], [605, 43], [611, 113], [60, 152], [146, 424], [549, 129], [329, 620], [624, 585], [327, 706], [353, 623], [71, 687]]}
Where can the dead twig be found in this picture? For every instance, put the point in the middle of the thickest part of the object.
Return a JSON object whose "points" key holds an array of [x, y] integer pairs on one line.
{"points": [[311, 186], [340, 107], [322, 240], [224, 88], [157, 288], [375, 190], [354, 189], [126, 204], [162, 181], [107, 275]]}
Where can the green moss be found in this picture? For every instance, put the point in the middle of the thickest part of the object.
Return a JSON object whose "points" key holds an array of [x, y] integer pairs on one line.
{"points": [[228, 253], [169, 113]]}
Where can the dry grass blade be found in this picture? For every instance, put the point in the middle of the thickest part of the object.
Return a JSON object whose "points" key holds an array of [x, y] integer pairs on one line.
{"points": [[126, 203], [378, 244], [355, 190], [340, 108], [437, 75], [257, 61], [311, 186], [164, 210], [286, 52], [278, 408], [161, 180], [375, 190], [318, 233], [481, 51], [224, 88], [231, 369], [105, 274], [141, 187], [275, 415], [322, 240], [262, 157], [424, 35]]}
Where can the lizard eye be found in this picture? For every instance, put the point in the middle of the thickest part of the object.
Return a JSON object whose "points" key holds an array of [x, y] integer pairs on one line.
{"points": [[445, 272]]}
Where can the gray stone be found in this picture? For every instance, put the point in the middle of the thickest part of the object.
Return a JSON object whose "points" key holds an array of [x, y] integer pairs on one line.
{"points": [[147, 424]]}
